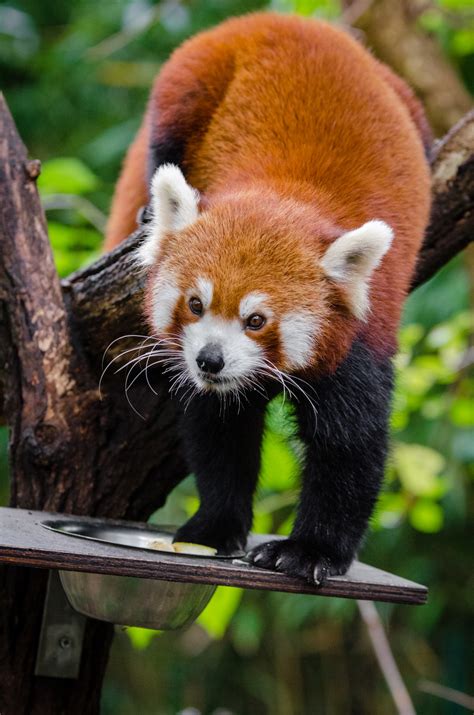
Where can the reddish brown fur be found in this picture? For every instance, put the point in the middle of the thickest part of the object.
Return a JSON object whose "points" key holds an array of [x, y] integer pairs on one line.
{"points": [[319, 136], [130, 192]]}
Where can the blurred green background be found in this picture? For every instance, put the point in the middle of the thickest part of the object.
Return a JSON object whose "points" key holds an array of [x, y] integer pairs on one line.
{"points": [[76, 77]]}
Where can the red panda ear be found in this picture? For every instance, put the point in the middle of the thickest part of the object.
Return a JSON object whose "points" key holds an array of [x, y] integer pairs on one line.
{"points": [[174, 206], [351, 259]]}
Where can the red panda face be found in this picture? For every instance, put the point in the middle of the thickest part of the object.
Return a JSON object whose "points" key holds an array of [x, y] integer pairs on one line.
{"points": [[234, 305], [243, 291]]}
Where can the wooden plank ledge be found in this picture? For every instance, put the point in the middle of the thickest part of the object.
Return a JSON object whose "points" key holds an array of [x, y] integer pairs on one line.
{"points": [[24, 541]]}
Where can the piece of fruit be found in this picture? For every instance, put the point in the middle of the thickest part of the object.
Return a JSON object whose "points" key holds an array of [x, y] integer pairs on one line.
{"points": [[182, 547], [161, 545]]}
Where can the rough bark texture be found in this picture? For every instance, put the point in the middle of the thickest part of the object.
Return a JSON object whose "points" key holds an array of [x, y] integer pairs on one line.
{"points": [[451, 226], [72, 452], [69, 451]]}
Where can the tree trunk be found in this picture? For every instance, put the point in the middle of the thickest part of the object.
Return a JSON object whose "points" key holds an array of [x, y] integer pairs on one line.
{"points": [[70, 450]]}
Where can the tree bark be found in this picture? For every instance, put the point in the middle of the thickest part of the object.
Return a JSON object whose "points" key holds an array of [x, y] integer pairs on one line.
{"points": [[70, 450], [451, 227]]}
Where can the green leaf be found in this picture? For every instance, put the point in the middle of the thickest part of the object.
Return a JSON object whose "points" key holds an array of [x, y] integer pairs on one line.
{"points": [[435, 407], [262, 521], [279, 465], [218, 613], [66, 175], [462, 412], [410, 335], [456, 5], [328, 9], [433, 366], [280, 417], [390, 510], [71, 238], [191, 504], [141, 637], [416, 381], [418, 468], [426, 516], [463, 42]]}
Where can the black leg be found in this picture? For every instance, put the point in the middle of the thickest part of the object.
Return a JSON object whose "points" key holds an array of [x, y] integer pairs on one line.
{"points": [[345, 456], [223, 451]]}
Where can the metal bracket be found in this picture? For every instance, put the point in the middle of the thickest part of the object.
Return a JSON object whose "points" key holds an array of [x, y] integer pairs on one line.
{"points": [[61, 636]]}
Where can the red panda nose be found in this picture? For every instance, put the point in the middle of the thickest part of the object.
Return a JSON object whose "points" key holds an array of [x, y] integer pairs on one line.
{"points": [[210, 358]]}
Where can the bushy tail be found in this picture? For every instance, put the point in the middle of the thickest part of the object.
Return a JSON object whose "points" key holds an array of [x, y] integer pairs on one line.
{"points": [[413, 105], [130, 192]]}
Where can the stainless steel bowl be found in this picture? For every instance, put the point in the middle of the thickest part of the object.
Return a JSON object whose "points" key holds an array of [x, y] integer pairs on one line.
{"points": [[131, 601], [128, 600]]}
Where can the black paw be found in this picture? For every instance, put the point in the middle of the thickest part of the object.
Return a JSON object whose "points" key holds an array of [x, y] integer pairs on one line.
{"points": [[219, 536], [295, 559]]}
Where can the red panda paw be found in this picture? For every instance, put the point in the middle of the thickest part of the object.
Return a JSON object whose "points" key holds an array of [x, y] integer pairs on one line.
{"points": [[294, 558], [228, 536]]}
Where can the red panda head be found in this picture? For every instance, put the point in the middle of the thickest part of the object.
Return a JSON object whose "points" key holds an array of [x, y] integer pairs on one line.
{"points": [[253, 287]]}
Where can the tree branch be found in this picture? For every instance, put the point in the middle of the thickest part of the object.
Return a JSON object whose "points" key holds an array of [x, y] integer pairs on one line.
{"points": [[451, 226], [385, 659]]}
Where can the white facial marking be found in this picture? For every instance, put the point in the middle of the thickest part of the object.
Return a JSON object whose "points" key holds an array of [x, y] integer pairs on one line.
{"points": [[204, 291], [241, 354], [165, 296], [353, 257], [174, 206], [298, 332], [255, 302]]}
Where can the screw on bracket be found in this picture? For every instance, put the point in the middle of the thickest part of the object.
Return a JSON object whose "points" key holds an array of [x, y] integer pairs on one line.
{"points": [[62, 632]]}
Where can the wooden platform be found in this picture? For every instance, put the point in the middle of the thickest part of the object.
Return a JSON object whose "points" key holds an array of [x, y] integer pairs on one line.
{"points": [[23, 541]]}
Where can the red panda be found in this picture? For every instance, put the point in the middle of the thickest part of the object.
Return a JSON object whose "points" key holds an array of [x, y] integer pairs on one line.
{"points": [[289, 193]]}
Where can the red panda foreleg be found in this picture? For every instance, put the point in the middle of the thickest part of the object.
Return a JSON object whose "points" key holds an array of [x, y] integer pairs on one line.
{"points": [[345, 455]]}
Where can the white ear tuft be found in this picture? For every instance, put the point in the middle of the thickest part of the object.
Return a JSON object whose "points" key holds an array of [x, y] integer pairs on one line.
{"points": [[353, 257], [174, 206]]}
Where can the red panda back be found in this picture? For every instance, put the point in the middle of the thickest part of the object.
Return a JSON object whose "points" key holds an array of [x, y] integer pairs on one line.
{"points": [[300, 106]]}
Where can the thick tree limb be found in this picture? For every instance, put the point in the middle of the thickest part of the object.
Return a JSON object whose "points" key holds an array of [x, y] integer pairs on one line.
{"points": [[451, 226]]}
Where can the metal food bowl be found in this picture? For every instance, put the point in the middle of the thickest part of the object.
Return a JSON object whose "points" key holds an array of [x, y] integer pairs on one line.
{"points": [[128, 600], [131, 601]]}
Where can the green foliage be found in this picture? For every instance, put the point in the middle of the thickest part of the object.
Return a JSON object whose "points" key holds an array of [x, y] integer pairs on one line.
{"points": [[66, 176], [325, 9], [219, 612], [74, 221], [452, 22], [73, 246], [435, 394], [141, 637]]}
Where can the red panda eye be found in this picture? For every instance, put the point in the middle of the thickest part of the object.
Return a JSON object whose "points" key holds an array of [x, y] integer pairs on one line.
{"points": [[255, 321], [195, 306]]}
